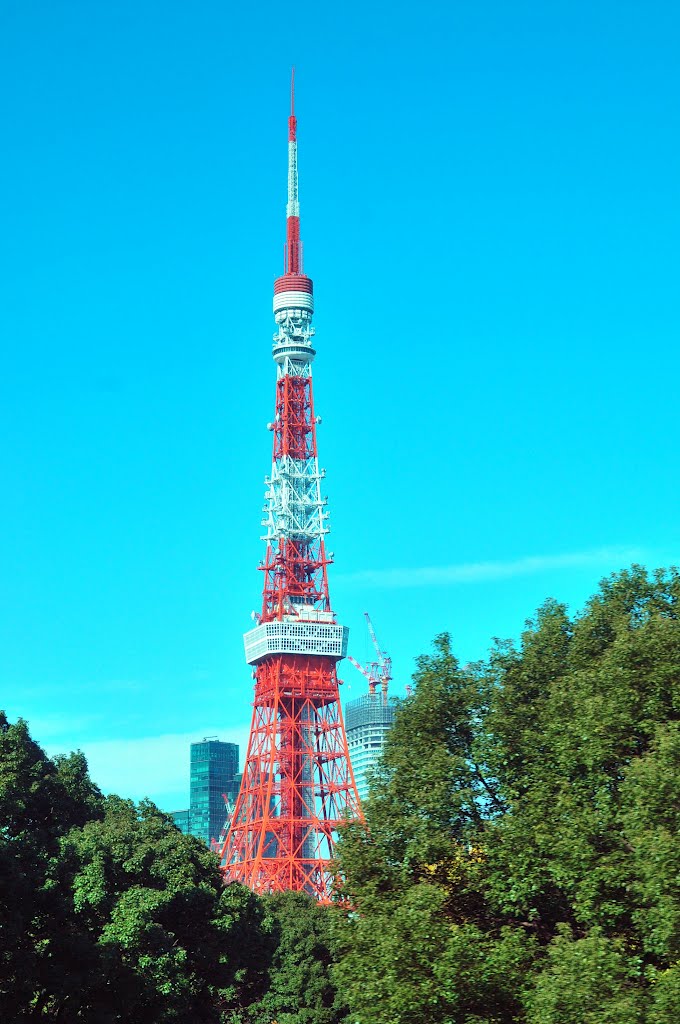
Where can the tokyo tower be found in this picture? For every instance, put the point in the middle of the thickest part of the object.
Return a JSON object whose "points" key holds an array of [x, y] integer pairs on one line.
{"points": [[298, 784]]}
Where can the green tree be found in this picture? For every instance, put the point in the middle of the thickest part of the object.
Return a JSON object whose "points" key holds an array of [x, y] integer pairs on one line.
{"points": [[107, 912], [246, 948], [40, 799], [650, 818], [593, 980], [297, 952], [419, 942], [145, 896], [523, 828]]}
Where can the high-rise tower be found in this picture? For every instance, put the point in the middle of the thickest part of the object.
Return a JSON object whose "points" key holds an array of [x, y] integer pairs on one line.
{"points": [[214, 766], [297, 784], [368, 720]]}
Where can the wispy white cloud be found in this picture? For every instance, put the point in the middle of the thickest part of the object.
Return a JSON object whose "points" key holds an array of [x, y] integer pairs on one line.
{"points": [[116, 686], [147, 766], [483, 572], [60, 727]]}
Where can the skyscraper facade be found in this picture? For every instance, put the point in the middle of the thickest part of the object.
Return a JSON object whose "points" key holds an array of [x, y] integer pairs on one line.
{"points": [[181, 820], [213, 775], [367, 722]]}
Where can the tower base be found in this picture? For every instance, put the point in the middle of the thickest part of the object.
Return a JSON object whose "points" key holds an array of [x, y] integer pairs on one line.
{"points": [[297, 785]]}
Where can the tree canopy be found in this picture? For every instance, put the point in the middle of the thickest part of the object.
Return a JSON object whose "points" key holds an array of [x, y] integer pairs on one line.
{"points": [[520, 859]]}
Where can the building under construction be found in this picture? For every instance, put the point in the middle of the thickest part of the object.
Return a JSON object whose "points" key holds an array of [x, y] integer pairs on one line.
{"points": [[368, 719]]}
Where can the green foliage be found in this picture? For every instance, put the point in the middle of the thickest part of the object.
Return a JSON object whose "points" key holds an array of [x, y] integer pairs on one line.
{"points": [[665, 996], [523, 828], [106, 908], [299, 988], [245, 950], [40, 800], [431, 786], [144, 895], [419, 943], [593, 980], [650, 816]]}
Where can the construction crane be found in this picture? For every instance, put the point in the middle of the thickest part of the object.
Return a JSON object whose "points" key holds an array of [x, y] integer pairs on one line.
{"points": [[379, 672], [217, 844]]}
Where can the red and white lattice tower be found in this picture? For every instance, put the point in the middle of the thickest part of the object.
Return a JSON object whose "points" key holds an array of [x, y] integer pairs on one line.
{"points": [[297, 782]]}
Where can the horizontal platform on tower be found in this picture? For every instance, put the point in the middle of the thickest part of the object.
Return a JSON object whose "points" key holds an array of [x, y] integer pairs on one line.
{"points": [[315, 638]]}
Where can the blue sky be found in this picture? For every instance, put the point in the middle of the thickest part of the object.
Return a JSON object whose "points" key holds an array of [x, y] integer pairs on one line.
{"points": [[491, 218]]}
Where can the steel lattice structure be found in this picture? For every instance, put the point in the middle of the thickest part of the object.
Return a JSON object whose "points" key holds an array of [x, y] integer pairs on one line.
{"points": [[297, 782]]}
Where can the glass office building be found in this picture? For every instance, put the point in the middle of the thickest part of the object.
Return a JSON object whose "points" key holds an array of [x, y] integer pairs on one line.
{"points": [[213, 775], [181, 820], [367, 722]]}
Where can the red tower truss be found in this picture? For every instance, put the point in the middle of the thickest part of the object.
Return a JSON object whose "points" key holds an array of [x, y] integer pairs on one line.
{"points": [[298, 784]]}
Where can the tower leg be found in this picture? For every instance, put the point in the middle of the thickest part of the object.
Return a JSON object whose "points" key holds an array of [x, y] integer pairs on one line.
{"points": [[297, 782]]}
